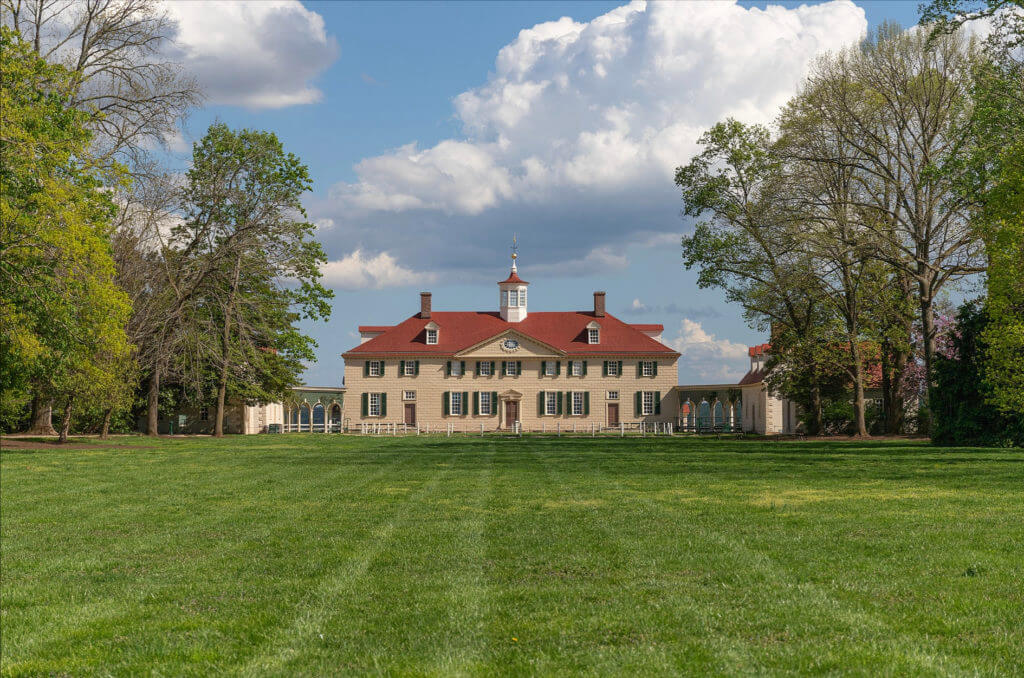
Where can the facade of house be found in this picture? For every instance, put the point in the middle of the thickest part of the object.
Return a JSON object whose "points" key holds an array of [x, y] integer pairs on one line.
{"points": [[507, 368]]}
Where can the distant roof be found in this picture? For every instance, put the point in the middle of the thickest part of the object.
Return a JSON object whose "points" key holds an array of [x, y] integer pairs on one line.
{"points": [[643, 327], [760, 349], [564, 331], [375, 328]]}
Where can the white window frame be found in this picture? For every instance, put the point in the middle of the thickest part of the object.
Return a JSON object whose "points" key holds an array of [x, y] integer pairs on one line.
{"points": [[576, 368], [373, 405], [647, 403], [513, 298], [485, 368], [408, 395], [613, 368], [613, 395], [522, 298], [453, 397], [375, 368], [510, 368], [485, 402], [647, 368], [410, 368], [549, 368], [456, 368], [551, 403], [431, 336], [593, 335], [576, 405]]}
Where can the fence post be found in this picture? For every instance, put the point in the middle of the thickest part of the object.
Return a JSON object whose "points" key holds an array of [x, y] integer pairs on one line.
{"points": [[558, 429], [622, 429]]}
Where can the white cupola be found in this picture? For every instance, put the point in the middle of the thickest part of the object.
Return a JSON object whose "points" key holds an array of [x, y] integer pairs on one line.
{"points": [[512, 292]]}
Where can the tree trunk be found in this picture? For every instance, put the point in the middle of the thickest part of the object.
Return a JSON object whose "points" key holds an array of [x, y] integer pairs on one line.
{"points": [[819, 414], [42, 417], [858, 389], [153, 403], [225, 344], [105, 431], [928, 330], [66, 423]]}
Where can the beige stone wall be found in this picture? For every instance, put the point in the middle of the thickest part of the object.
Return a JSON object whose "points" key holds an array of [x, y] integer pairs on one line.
{"points": [[432, 383]]}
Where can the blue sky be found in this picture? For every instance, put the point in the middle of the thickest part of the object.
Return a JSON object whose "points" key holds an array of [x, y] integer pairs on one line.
{"points": [[435, 130]]}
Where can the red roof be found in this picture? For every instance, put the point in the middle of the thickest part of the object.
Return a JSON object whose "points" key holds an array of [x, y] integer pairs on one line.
{"points": [[375, 328], [563, 330], [752, 377], [513, 277], [648, 328]]}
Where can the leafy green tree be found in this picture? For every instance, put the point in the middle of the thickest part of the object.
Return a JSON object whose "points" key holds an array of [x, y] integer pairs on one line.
{"points": [[245, 231], [59, 306]]}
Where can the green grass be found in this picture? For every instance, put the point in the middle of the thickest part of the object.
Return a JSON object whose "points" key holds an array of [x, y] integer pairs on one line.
{"points": [[325, 555]]}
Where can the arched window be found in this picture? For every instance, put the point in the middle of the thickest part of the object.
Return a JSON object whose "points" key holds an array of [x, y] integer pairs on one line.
{"points": [[719, 413], [303, 417], [294, 414], [691, 414], [737, 413], [318, 417], [703, 415], [336, 417]]}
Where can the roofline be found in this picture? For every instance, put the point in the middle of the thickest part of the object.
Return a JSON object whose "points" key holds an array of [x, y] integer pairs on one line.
{"points": [[506, 331], [697, 387], [318, 388], [617, 354]]}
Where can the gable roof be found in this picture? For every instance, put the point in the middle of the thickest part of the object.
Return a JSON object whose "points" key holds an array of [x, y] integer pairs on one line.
{"points": [[562, 330]]}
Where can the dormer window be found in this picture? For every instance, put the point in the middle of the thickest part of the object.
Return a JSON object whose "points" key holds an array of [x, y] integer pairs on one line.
{"points": [[431, 333], [593, 335]]}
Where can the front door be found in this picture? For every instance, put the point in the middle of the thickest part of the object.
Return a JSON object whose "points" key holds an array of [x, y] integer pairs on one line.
{"points": [[410, 414], [511, 413], [613, 414]]}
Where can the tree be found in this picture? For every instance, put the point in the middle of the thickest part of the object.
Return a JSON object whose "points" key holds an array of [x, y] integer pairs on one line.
{"points": [[992, 174], [747, 246], [59, 305], [244, 232], [899, 105]]}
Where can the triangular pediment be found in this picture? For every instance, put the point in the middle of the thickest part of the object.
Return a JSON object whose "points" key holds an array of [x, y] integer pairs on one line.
{"points": [[501, 345]]}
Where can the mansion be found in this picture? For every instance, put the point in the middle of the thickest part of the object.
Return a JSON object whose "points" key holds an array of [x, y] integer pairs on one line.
{"points": [[543, 371]]}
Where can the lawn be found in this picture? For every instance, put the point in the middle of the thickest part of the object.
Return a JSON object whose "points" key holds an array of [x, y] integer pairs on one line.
{"points": [[317, 555]]}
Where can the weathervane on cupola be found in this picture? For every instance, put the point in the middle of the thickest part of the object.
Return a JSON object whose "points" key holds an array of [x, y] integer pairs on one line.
{"points": [[513, 291]]}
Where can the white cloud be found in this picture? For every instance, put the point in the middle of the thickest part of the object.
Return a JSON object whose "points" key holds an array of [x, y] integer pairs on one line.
{"points": [[638, 306], [707, 357], [575, 135], [358, 271], [255, 54]]}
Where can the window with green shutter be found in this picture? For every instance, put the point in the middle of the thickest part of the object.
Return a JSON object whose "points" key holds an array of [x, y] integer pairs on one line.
{"points": [[445, 403], [657, 402], [540, 404], [638, 404], [476, 401], [494, 402], [586, 402], [365, 404], [383, 404], [465, 403]]}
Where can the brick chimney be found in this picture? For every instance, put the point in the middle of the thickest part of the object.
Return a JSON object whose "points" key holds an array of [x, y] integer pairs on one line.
{"points": [[424, 304], [599, 304]]}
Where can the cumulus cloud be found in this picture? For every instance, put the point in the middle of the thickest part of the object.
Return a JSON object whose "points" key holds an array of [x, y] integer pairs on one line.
{"points": [[707, 357], [576, 133], [640, 308], [254, 54], [359, 271]]}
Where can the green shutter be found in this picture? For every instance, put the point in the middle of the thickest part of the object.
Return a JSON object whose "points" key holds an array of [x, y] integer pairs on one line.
{"points": [[382, 368], [620, 368], [492, 368], [465, 400], [366, 368], [462, 367], [494, 402], [476, 402], [558, 410], [448, 368], [540, 404], [383, 404], [401, 368], [365, 408], [543, 368], [416, 368], [640, 369], [584, 368], [638, 405], [586, 402], [655, 368], [445, 404], [478, 368], [519, 367], [568, 402], [503, 364], [604, 368], [657, 402], [558, 367]]}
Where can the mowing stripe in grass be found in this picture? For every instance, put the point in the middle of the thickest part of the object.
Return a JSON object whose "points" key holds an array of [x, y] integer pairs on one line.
{"points": [[307, 627]]}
